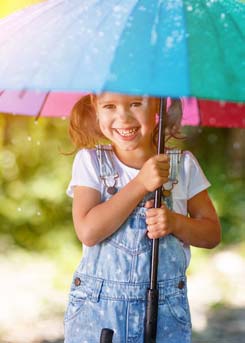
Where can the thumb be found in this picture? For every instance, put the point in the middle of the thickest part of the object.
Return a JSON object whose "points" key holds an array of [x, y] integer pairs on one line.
{"points": [[149, 204]]}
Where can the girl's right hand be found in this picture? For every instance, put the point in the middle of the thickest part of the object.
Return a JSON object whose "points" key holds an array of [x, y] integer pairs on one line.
{"points": [[154, 172]]}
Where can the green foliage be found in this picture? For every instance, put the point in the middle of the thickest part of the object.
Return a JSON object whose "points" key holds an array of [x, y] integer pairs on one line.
{"points": [[34, 176], [221, 155], [35, 212]]}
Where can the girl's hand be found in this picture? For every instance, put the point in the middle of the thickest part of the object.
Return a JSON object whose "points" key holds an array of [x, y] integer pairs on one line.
{"points": [[158, 220], [154, 172]]}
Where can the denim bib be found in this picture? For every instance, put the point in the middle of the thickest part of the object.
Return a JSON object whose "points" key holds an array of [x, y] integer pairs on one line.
{"points": [[109, 286]]}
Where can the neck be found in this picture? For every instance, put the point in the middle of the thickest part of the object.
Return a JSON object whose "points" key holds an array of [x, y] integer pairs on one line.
{"points": [[135, 158]]}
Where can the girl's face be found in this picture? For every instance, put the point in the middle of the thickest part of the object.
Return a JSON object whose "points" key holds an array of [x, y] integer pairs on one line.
{"points": [[127, 121]]}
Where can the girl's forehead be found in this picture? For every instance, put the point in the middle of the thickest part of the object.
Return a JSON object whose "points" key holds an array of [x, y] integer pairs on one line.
{"points": [[116, 97]]}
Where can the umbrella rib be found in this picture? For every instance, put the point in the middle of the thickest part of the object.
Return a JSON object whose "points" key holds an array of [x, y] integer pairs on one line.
{"points": [[43, 104]]}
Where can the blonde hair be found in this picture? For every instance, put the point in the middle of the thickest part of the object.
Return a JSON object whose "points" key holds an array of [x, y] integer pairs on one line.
{"points": [[84, 128]]}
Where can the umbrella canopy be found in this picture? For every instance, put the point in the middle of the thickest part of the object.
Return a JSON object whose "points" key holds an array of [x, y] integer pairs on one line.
{"points": [[59, 104], [162, 48]]}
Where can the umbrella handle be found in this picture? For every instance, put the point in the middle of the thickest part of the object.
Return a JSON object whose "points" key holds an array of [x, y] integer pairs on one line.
{"points": [[106, 335]]}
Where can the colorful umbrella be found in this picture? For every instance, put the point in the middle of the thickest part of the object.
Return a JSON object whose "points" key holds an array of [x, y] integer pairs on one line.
{"points": [[56, 104], [162, 48]]}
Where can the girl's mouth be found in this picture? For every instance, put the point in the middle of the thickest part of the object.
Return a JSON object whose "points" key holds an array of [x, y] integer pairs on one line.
{"points": [[127, 132]]}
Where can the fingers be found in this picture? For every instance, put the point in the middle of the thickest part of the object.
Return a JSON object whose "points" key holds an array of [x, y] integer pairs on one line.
{"points": [[162, 161], [154, 231], [157, 221], [149, 203]]}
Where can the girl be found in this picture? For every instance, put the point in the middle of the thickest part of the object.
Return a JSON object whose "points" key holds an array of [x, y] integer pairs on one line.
{"points": [[112, 188]]}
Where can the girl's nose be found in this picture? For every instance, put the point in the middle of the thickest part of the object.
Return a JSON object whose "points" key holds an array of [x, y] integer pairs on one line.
{"points": [[124, 113]]}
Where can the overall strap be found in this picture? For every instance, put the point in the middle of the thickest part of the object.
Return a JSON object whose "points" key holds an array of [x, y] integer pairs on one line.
{"points": [[175, 157], [108, 173]]}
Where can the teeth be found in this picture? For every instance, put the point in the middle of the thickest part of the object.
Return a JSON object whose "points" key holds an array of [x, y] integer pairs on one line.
{"points": [[127, 132]]}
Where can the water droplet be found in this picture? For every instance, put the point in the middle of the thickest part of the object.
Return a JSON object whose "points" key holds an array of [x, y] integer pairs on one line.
{"points": [[222, 103], [117, 8], [236, 145], [222, 16], [29, 138], [212, 138], [19, 209], [169, 42], [212, 121]]}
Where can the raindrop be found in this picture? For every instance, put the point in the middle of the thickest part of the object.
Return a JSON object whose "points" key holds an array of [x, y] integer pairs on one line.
{"points": [[169, 42], [153, 37], [38, 213], [212, 138], [222, 16], [29, 138], [222, 103], [189, 8], [117, 8], [19, 209], [212, 121], [7, 159], [38, 142], [236, 145]]}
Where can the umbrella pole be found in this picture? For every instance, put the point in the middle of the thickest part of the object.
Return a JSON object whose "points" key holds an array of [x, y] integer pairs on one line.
{"points": [[106, 335], [152, 293]]}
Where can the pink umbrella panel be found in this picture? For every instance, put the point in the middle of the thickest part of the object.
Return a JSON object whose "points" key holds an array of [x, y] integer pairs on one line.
{"points": [[59, 104]]}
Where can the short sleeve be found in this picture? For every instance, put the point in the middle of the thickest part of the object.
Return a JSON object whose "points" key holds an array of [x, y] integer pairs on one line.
{"points": [[85, 171], [196, 179]]}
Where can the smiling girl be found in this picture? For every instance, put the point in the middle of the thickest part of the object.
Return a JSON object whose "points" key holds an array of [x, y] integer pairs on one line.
{"points": [[112, 187]]}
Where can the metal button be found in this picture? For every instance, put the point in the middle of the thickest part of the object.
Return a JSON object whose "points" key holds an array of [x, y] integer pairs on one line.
{"points": [[112, 190], [181, 284], [77, 281]]}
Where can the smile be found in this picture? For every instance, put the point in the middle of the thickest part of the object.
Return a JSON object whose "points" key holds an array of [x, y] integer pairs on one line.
{"points": [[127, 132]]}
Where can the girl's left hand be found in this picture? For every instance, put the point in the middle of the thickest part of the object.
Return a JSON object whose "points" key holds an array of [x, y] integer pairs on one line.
{"points": [[158, 220]]}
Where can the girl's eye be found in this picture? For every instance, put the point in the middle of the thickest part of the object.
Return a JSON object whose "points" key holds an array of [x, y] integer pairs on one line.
{"points": [[109, 106], [136, 104]]}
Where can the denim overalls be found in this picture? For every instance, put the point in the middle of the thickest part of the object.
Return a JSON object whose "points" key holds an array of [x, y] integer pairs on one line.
{"points": [[109, 287]]}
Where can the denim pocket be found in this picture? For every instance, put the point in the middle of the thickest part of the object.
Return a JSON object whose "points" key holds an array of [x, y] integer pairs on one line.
{"points": [[75, 306], [179, 308]]}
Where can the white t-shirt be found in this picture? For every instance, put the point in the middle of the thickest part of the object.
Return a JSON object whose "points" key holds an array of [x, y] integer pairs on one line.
{"points": [[191, 179]]}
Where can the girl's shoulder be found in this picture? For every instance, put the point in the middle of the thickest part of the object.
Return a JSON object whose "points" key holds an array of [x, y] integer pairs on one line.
{"points": [[188, 160], [85, 158]]}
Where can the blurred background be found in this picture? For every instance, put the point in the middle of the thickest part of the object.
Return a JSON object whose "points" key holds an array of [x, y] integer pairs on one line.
{"points": [[39, 250]]}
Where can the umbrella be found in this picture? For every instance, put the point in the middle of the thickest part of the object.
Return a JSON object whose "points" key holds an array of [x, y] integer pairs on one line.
{"points": [[59, 104], [159, 48]]}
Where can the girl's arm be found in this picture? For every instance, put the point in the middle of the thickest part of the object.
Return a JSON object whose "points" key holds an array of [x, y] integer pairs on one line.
{"points": [[94, 221], [201, 228]]}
